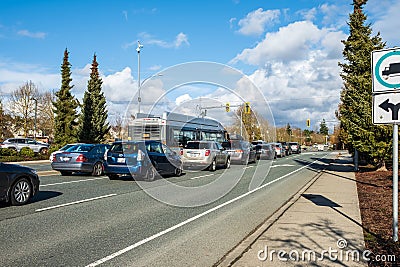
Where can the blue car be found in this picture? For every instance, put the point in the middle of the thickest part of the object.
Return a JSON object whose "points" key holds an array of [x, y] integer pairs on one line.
{"points": [[145, 159], [86, 158]]}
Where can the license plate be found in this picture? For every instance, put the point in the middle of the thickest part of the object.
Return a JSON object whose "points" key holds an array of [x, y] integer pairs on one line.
{"points": [[193, 155], [65, 158], [121, 160]]}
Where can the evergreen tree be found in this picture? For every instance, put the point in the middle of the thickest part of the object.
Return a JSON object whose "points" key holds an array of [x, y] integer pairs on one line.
{"points": [[289, 130], [355, 110], [323, 129], [65, 106], [93, 126]]}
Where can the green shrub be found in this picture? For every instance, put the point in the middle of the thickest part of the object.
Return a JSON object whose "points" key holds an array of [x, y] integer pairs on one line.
{"points": [[8, 152], [26, 152]]}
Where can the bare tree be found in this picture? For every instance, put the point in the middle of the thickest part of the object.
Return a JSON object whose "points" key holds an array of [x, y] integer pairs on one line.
{"points": [[118, 125], [46, 114], [22, 105]]}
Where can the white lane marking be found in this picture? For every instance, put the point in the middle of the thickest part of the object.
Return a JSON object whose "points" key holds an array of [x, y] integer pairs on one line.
{"points": [[75, 202], [282, 165], [144, 241], [198, 177], [247, 167], [77, 181]]}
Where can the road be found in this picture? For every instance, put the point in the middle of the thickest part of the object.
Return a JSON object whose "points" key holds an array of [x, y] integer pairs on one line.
{"points": [[81, 220]]}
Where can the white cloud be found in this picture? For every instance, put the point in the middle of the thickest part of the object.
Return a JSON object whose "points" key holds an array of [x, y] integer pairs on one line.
{"points": [[297, 71], [36, 35], [293, 42], [254, 23], [180, 40], [183, 98], [386, 21]]}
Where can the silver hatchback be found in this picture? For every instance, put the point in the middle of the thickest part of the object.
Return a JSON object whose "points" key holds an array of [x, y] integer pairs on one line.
{"points": [[205, 154]]}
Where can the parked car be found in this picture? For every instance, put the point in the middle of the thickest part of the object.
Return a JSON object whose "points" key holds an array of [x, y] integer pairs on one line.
{"points": [[18, 143], [205, 154], [62, 149], [288, 149], [240, 151], [265, 151], [280, 150], [18, 184], [142, 159], [86, 158], [296, 148]]}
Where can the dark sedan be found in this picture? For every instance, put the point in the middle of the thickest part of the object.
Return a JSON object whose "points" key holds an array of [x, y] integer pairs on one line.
{"points": [[18, 184], [141, 158], [86, 158]]}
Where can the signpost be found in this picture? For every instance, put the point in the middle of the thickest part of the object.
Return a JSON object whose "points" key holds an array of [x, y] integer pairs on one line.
{"points": [[385, 109]]}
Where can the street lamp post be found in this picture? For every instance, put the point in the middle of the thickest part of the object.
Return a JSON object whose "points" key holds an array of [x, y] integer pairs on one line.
{"points": [[34, 131], [139, 47]]}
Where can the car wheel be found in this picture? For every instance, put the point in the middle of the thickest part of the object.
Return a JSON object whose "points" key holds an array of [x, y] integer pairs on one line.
{"points": [[178, 171], [228, 163], [112, 176], [97, 169], [151, 174], [44, 151], [20, 192], [65, 173], [213, 166]]}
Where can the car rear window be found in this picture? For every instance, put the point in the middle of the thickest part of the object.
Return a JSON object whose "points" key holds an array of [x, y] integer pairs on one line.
{"points": [[80, 148], [127, 148], [198, 145]]}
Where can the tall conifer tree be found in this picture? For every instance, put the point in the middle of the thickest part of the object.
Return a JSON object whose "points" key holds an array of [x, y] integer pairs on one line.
{"points": [[93, 126], [65, 106], [355, 109]]}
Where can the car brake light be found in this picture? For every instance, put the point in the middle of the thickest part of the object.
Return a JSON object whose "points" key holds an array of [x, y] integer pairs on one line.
{"points": [[207, 152], [81, 158], [181, 152], [54, 157]]}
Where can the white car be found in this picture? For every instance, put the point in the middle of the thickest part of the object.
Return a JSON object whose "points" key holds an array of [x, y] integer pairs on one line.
{"points": [[18, 143]]}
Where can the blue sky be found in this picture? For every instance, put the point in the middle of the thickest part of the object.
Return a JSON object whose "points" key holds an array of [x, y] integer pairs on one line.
{"points": [[289, 49]]}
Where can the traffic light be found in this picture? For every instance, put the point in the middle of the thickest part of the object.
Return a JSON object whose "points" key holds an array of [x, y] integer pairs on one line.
{"points": [[308, 122], [227, 107], [247, 108]]}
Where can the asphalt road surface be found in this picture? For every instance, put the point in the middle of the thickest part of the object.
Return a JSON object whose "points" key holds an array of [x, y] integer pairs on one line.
{"points": [[80, 220]]}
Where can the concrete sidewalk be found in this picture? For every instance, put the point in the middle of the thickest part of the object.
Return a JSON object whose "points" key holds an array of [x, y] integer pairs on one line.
{"points": [[320, 226]]}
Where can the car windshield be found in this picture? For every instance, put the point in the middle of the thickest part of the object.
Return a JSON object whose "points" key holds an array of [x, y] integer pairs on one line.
{"points": [[80, 148], [197, 145]]}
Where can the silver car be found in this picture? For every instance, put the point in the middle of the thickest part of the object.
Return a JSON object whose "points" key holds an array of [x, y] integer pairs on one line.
{"points": [[18, 143], [205, 154]]}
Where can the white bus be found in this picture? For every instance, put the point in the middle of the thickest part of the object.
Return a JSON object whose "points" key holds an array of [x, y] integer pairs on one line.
{"points": [[175, 130]]}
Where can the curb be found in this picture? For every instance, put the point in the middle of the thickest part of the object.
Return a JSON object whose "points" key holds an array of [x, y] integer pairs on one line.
{"points": [[237, 252]]}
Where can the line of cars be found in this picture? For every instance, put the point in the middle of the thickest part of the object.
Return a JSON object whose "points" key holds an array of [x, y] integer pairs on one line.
{"points": [[146, 159]]}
